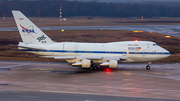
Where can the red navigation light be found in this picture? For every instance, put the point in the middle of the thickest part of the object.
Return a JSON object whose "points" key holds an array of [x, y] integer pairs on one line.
{"points": [[136, 40], [108, 71]]}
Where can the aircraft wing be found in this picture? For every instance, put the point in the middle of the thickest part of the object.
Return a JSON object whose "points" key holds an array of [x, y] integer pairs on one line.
{"points": [[86, 57]]}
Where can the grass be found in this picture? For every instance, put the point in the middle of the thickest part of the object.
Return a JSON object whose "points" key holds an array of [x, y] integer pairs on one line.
{"points": [[8, 52]]}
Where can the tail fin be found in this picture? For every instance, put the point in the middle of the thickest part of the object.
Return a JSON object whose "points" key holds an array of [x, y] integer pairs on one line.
{"points": [[29, 32]]}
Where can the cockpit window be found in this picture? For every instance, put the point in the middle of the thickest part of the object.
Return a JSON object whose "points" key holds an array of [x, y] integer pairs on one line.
{"points": [[155, 45]]}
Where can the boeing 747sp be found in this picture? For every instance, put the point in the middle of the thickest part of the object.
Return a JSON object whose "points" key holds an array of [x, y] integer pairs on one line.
{"points": [[86, 55]]}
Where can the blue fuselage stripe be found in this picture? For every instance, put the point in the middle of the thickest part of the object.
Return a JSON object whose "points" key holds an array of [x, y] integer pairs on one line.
{"points": [[103, 52]]}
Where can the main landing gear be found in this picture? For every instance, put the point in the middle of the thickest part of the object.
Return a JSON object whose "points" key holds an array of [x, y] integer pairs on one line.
{"points": [[148, 66], [94, 66]]}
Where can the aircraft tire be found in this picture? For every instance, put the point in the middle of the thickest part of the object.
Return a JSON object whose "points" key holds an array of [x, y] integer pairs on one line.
{"points": [[92, 68], [95, 67], [148, 67]]}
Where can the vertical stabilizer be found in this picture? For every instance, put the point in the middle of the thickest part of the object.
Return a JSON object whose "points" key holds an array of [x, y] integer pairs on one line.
{"points": [[29, 32]]}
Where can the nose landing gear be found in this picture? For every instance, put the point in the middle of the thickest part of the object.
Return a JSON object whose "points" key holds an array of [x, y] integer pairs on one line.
{"points": [[148, 66]]}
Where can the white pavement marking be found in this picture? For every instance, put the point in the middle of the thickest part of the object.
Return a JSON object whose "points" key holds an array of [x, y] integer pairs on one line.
{"points": [[6, 90], [14, 66]]}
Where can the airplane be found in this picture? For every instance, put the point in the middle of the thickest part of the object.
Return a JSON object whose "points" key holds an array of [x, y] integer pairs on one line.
{"points": [[86, 55]]}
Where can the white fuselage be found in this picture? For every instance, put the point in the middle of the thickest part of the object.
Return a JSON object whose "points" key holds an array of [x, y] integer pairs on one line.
{"points": [[140, 51]]}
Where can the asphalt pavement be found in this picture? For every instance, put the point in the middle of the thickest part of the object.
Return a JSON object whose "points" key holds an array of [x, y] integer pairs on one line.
{"points": [[172, 30], [42, 81]]}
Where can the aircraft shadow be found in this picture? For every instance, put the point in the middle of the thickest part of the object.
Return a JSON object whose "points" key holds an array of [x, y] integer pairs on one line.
{"points": [[85, 71]]}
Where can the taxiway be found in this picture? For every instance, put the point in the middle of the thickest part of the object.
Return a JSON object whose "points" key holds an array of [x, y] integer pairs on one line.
{"points": [[172, 30], [53, 81]]}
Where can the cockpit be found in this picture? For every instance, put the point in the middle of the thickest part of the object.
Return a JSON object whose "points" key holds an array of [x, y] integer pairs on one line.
{"points": [[155, 45]]}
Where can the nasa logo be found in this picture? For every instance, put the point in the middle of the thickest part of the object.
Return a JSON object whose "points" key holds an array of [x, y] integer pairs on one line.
{"points": [[25, 30], [41, 38]]}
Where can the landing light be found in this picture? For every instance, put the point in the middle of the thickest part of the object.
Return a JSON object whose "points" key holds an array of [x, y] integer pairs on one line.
{"points": [[136, 40]]}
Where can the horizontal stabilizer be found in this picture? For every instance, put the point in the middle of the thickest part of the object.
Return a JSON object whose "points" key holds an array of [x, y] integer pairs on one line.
{"points": [[32, 48]]}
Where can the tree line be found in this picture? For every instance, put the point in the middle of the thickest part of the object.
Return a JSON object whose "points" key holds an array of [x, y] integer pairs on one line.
{"points": [[50, 8]]}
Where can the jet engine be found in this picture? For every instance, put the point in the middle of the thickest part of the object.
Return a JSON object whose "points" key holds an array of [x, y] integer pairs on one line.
{"points": [[111, 64], [83, 63]]}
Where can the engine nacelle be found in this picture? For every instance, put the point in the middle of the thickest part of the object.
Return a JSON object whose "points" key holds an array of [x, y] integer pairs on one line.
{"points": [[86, 63], [77, 64], [111, 64], [83, 63]]}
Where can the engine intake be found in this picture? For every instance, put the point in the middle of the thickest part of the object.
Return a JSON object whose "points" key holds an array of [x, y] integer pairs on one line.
{"points": [[86, 63]]}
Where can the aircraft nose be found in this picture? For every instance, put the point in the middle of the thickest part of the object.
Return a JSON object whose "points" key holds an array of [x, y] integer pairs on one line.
{"points": [[167, 53]]}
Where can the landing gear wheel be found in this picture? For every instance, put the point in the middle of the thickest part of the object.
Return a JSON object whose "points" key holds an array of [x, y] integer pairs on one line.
{"points": [[91, 68], [148, 67], [94, 67]]}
